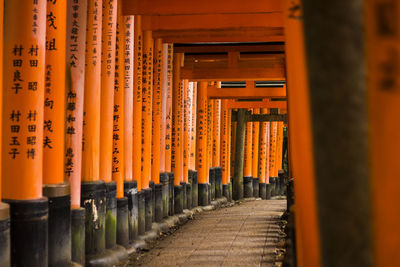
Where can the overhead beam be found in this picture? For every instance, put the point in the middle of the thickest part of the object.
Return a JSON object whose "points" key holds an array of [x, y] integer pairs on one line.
{"points": [[224, 48], [244, 34], [185, 7], [212, 21], [260, 117], [267, 103], [219, 68], [248, 92]]}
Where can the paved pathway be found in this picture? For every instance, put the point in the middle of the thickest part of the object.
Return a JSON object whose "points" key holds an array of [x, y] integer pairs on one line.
{"points": [[242, 235]]}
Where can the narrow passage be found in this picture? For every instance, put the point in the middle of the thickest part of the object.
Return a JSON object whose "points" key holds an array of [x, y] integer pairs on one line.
{"points": [[243, 235]]}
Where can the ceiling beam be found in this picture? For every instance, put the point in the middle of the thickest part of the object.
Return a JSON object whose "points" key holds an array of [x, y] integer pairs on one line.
{"points": [[220, 68], [224, 48], [189, 7], [248, 92], [265, 103]]}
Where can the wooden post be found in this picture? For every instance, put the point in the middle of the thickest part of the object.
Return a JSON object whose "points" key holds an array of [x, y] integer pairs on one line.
{"points": [[201, 143], [185, 146], [76, 46], [248, 161], [22, 141], [156, 113], [255, 153], [216, 136], [137, 103], [192, 117], [168, 65], [239, 154], [147, 89], [128, 95], [263, 158]]}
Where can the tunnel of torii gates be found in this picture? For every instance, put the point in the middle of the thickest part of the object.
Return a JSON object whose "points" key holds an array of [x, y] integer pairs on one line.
{"points": [[117, 114]]}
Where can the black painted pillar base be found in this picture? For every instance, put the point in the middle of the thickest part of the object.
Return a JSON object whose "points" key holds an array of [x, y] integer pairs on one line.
{"points": [[59, 223], [111, 214], [247, 186], [212, 182], [256, 188], [209, 194], [231, 190], [195, 189], [268, 191], [5, 243], [29, 232], [158, 203], [171, 194], [130, 192], [148, 206], [78, 235], [203, 194], [188, 196], [164, 181], [184, 201], [122, 222], [218, 182], [153, 200], [93, 199], [272, 186], [178, 199], [225, 191], [281, 182], [141, 213], [263, 190]]}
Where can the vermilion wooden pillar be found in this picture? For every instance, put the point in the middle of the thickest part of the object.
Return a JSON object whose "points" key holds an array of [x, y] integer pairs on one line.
{"points": [[22, 141], [147, 95], [177, 138], [168, 65], [201, 143], [255, 154], [137, 103], [307, 236], [54, 135], [248, 161]]}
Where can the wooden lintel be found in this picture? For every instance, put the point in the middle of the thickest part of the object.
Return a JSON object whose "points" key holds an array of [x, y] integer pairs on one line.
{"points": [[267, 103], [225, 48], [261, 117], [212, 21], [187, 7], [249, 92], [244, 34]]}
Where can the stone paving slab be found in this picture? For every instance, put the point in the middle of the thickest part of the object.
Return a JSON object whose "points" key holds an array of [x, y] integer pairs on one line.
{"points": [[241, 235]]}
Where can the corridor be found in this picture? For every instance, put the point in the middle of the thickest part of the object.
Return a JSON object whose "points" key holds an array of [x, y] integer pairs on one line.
{"points": [[248, 234]]}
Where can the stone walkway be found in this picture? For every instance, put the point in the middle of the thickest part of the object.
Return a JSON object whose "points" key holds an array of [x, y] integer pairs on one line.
{"points": [[243, 235]]}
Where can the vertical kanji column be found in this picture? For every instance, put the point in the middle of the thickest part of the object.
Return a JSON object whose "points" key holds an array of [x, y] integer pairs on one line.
{"points": [[147, 93], [76, 46], [224, 147], [216, 147], [130, 185], [108, 55], [278, 159], [201, 144], [137, 121], [176, 157], [192, 143], [93, 189], [248, 160], [54, 187], [120, 222], [22, 141], [210, 131], [255, 153], [168, 66], [156, 130], [164, 132], [4, 208], [186, 187], [262, 157], [272, 156]]}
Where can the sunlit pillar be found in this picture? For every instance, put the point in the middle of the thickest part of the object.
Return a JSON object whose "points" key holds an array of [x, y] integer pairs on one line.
{"points": [[22, 136], [255, 153]]}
